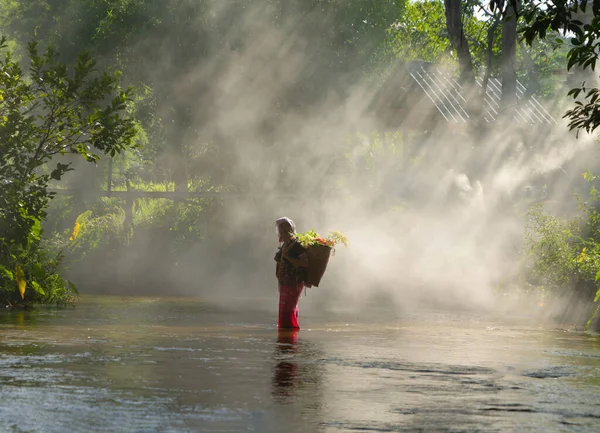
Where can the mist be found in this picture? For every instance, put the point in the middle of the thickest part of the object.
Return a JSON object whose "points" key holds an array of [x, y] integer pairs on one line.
{"points": [[435, 214]]}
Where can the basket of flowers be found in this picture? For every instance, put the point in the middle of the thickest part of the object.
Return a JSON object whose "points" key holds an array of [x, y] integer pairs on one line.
{"points": [[318, 251]]}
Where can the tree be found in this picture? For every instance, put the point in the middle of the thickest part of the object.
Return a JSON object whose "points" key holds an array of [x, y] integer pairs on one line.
{"points": [[53, 110], [456, 32], [568, 17], [420, 33], [179, 50], [509, 49]]}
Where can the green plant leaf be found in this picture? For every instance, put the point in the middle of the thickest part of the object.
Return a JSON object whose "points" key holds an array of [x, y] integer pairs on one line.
{"points": [[7, 273], [37, 288]]}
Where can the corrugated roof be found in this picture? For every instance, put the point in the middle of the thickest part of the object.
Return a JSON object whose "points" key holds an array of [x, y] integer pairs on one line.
{"points": [[443, 90], [528, 109], [447, 95]]}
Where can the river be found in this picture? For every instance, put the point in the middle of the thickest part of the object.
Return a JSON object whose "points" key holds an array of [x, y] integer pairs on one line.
{"points": [[126, 364]]}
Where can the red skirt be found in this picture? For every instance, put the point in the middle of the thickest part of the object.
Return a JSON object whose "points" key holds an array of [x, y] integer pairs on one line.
{"points": [[288, 305]]}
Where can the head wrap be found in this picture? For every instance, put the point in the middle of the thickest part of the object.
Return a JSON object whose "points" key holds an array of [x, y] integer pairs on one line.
{"points": [[281, 220]]}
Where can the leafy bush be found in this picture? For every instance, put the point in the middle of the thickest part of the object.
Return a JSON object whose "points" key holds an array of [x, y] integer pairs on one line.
{"points": [[565, 252], [50, 111]]}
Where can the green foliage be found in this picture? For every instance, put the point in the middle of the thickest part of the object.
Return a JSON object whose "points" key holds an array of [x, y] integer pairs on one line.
{"points": [[99, 226], [159, 45], [555, 245], [582, 21], [359, 27], [311, 238], [585, 115], [540, 65], [420, 33], [103, 233], [52, 110], [565, 252], [185, 222]]}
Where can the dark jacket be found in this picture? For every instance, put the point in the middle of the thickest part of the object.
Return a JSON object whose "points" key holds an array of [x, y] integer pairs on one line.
{"points": [[289, 274]]}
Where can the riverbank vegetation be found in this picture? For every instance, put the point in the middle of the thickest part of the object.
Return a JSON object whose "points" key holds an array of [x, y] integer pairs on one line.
{"points": [[49, 110]]}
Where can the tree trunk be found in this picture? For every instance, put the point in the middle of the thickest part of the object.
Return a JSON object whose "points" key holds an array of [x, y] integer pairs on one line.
{"points": [[454, 24], [490, 53], [509, 47], [488, 62]]}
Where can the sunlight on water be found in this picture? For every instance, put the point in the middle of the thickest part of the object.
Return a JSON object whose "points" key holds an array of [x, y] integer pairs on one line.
{"points": [[140, 364]]}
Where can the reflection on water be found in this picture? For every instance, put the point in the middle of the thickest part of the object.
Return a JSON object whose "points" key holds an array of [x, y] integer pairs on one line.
{"points": [[285, 379], [169, 365], [297, 383]]}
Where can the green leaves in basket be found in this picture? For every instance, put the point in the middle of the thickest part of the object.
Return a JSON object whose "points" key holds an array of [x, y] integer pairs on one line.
{"points": [[311, 238]]}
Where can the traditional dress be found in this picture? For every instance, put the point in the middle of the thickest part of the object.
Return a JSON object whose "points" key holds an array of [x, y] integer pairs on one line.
{"points": [[291, 283]]}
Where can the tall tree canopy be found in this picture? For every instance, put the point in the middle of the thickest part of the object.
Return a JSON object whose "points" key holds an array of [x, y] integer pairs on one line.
{"points": [[580, 21], [179, 50]]}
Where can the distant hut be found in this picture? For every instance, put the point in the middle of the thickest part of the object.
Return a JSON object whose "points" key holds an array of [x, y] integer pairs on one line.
{"points": [[423, 97]]}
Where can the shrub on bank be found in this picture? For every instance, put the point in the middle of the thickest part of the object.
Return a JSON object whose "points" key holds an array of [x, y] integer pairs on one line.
{"points": [[564, 254]]}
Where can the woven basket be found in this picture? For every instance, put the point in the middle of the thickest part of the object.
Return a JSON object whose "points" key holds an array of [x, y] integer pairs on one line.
{"points": [[318, 257]]}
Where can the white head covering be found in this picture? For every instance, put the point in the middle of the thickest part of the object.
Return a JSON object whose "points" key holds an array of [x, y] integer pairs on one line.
{"points": [[278, 222]]}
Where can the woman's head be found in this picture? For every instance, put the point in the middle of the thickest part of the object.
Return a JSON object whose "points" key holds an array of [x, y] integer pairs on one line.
{"points": [[285, 228]]}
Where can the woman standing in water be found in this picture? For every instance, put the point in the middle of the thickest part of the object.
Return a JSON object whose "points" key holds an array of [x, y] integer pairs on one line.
{"points": [[291, 273]]}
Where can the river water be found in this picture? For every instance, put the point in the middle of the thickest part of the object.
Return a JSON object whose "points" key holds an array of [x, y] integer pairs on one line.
{"points": [[115, 364]]}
